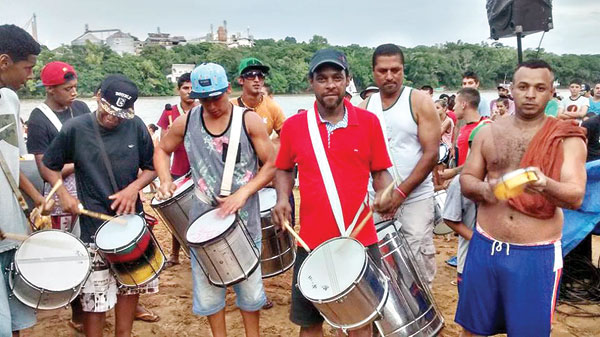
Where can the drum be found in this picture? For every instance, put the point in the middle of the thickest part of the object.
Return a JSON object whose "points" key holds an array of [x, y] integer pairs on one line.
{"points": [[340, 279], [440, 226], [278, 246], [223, 248], [410, 309], [49, 269], [513, 183], [444, 153], [174, 211], [131, 250]]}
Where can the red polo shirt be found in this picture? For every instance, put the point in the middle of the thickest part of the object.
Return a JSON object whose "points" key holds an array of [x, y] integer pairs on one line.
{"points": [[181, 164], [353, 152], [462, 141]]}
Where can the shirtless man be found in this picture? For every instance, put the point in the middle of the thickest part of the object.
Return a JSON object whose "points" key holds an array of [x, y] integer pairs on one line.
{"points": [[515, 250]]}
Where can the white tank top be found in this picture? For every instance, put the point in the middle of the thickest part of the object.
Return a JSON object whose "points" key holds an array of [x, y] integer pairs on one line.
{"points": [[401, 132]]}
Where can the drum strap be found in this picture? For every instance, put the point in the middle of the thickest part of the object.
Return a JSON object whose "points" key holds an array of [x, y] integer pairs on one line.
{"points": [[232, 150], [330, 188], [45, 109], [103, 154]]}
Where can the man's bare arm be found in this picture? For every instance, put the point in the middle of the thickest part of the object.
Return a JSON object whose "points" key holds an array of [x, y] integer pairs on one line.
{"points": [[284, 183], [429, 126], [66, 171], [474, 172], [168, 143]]}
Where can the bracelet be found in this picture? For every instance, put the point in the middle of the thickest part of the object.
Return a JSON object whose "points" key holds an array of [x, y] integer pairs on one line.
{"points": [[397, 189]]}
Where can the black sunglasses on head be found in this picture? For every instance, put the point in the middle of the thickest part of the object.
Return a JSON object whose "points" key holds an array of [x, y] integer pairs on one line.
{"points": [[250, 75]]}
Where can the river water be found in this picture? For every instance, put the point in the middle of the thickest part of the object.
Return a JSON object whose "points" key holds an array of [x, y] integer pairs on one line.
{"points": [[150, 108]]}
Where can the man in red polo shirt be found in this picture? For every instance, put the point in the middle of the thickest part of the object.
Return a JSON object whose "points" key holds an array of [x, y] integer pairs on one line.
{"points": [[355, 149], [180, 165]]}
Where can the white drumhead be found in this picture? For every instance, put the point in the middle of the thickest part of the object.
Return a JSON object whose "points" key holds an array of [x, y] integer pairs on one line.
{"points": [[267, 198], [113, 235], [331, 268], [208, 226], [53, 260], [443, 152], [182, 183]]}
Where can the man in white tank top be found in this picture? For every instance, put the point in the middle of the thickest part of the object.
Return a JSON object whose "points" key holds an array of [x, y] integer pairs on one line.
{"points": [[411, 127]]}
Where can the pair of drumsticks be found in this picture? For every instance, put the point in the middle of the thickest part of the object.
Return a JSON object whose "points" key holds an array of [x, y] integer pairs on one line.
{"points": [[354, 234]]}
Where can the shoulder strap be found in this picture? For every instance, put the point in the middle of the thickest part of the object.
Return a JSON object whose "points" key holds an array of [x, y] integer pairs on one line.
{"points": [[232, 149], [103, 154], [50, 115], [240, 102]]}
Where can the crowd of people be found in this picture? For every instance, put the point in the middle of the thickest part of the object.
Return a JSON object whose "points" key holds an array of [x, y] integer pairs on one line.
{"points": [[382, 156]]}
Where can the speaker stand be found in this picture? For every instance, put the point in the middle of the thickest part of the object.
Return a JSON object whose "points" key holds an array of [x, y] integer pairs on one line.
{"points": [[519, 31]]}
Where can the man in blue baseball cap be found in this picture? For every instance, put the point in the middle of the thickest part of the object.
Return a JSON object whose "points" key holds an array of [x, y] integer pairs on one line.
{"points": [[207, 133]]}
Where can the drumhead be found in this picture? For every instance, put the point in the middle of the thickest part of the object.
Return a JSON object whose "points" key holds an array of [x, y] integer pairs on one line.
{"points": [[443, 153], [53, 260], [182, 183], [113, 235], [267, 198], [208, 226], [331, 268]]}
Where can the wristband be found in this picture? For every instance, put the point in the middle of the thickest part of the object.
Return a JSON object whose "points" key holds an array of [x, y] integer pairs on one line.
{"points": [[397, 189]]}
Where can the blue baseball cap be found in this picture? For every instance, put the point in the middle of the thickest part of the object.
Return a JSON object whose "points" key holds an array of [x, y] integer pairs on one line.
{"points": [[208, 80]]}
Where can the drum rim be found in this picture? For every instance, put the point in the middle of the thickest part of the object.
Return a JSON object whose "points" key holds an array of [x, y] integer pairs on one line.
{"points": [[15, 271], [128, 245], [203, 243], [348, 288]]}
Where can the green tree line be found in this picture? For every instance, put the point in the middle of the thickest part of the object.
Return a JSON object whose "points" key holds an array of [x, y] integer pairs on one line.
{"points": [[439, 65]]}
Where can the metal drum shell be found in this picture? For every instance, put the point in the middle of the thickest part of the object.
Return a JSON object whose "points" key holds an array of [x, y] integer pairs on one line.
{"points": [[174, 213], [235, 255], [358, 305], [410, 309], [43, 299], [278, 248]]}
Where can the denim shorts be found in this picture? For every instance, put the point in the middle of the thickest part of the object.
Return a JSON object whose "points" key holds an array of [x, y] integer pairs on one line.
{"points": [[210, 299], [14, 315]]}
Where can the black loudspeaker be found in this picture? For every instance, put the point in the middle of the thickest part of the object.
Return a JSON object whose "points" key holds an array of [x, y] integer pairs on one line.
{"points": [[508, 17]]}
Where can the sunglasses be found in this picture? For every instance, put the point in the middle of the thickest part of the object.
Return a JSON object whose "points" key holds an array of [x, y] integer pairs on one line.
{"points": [[250, 75]]}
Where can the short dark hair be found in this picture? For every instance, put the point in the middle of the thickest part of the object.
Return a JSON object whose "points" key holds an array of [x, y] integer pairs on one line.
{"points": [[153, 127], [17, 43], [182, 79], [388, 49], [428, 88], [538, 64], [503, 100], [471, 74], [471, 96], [575, 81]]}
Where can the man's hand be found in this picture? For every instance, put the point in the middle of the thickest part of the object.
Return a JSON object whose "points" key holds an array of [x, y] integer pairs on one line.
{"points": [[68, 203], [232, 203], [448, 174], [539, 185], [281, 213], [166, 190], [124, 200], [387, 204]]}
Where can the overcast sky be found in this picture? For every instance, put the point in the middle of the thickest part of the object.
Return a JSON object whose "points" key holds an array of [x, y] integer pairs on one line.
{"points": [[367, 23]]}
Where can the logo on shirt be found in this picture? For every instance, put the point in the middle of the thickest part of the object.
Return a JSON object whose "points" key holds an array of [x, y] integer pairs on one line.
{"points": [[130, 146]]}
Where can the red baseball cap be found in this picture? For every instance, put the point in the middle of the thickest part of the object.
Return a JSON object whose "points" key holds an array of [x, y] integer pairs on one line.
{"points": [[57, 73]]}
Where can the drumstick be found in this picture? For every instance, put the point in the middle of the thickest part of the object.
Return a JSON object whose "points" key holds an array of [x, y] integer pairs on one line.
{"points": [[100, 216], [13, 236], [296, 236], [361, 224], [54, 189], [388, 189]]}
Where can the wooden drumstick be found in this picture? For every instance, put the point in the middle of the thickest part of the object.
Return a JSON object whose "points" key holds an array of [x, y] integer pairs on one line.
{"points": [[100, 216], [296, 236], [388, 190], [362, 224], [54, 189], [13, 236]]}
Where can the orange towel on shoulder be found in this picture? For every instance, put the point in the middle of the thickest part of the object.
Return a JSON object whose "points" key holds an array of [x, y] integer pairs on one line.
{"points": [[546, 152]]}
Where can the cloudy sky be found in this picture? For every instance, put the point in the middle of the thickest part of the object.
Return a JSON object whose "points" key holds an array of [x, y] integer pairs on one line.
{"points": [[368, 23]]}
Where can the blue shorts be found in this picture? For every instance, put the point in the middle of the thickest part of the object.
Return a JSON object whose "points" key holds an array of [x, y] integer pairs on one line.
{"points": [[508, 288], [14, 315], [209, 299]]}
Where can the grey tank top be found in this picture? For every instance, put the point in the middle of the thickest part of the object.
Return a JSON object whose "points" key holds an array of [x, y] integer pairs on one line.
{"points": [[207, 153]]}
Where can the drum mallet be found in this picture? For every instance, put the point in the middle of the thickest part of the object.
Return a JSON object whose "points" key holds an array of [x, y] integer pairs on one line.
{"points": [[296, 236], [100, 216]]}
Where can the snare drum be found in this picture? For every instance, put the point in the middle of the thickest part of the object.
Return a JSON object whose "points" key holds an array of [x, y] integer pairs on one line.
{"points": [[342, 282], [174, 211], [410, 309], [49, 269], [278, 246], [131, 250], [223, 248]]}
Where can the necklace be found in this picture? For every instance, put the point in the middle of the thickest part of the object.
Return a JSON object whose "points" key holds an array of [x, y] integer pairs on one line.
{"points": [[252, 107]]}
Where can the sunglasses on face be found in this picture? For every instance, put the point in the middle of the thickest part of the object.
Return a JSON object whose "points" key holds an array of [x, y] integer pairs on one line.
{"points": [[251, 75]]}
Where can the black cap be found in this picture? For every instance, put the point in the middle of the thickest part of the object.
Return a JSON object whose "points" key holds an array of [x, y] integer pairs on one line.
{"points": [[327, 56], [118, 94]]}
